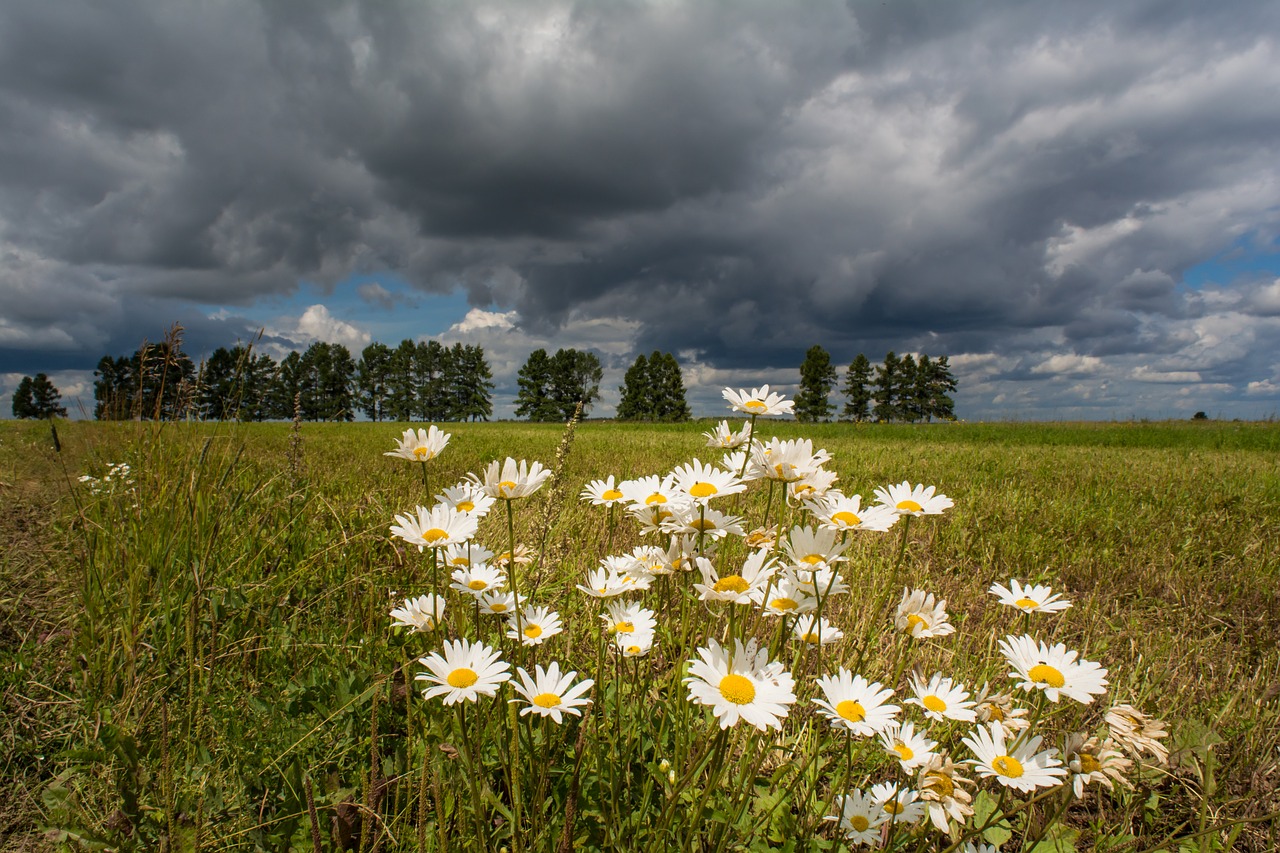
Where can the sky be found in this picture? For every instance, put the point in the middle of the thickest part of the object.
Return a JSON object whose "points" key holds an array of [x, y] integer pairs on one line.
{"points": [[1078, 203]]}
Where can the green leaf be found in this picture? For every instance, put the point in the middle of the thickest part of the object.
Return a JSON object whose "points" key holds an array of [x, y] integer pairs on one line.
{"points": [[984, 805], [1057, 839]]}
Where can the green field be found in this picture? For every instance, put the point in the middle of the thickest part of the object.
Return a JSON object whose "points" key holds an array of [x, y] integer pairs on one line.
{"points": [[183, 657]]}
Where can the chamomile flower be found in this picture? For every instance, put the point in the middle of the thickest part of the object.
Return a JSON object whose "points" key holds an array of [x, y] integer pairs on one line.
{"points": [[787, 461], [465, 497], [1091, 760], [823, 582], [785, 597], [435, 527], [1053, 669], [854, 705], [1138, 732], [711, 523], [742, 685], [1022, 769], [550, 694], [533, 625], [623, 617], [420, 446], [942, 699], [651, 560], [906, 499], [651, 491], [634, 645], [812, 485], [724, 437], [604, 582], [739, 587], [811, 549], [922, 616], [858, 816], [419, 614], [510, 480], [758, 401], [478, 579], [899, 804], [602, 492], [466, 554], [836, 511], [1029, 599], [942, 789], [911, 748], [463, 673], [700, 483], [497, 603], [815, 631]]}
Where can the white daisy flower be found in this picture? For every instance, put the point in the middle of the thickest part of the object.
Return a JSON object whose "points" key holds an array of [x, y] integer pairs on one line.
{"points": [[823, 583], [651, 560], [911, 748], [478, 579], [858, 816], [1053, 669], [785, 597], [604, 582], [421, 446], [743, 685], [651, 491], [739, 588], [466, 554], [700, 483], [900, 804], [509, 480], [811, 549], [690, 521], [602, 492], [835, 511], [762, 538], [419, 614], [758, 401], [724, 437], [855, 705], [533, 625], [628, 618], [814, 631], [978, 847], [906, 499], [922, 616], [1022, 769], [634, 645], [435, 527], [1091, 760], [497, 603], [465, 497], [812, 485], [1029, 599], [942, 699], [551, 694], [463, 673], [787, 461]]}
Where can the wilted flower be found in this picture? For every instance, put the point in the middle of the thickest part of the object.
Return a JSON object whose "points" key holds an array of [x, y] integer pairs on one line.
{"points": [[1090, 760], [942, 789], [419, 614], [1138, 732], [992, 706], [921, 616]]}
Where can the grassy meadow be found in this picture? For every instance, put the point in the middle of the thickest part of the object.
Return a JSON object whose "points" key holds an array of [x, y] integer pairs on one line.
{"points": [[198, 655]]}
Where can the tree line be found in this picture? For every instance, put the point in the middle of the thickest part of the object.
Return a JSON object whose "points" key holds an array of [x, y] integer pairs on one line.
{"points": [[415, 381], [906, 388]]}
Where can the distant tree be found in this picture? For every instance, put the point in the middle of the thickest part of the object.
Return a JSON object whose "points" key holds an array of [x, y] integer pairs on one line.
{"points": [[37, 398], [401, 390], [1198, 416], [286, 387], [575, 377], [373, 373], [653, 390], [220, 383], [857, 406], [942, 384], [164, 380], [326, 380], [470, 383], [906, 404], [886, 386], [817, 376], [534, 384], [114, 388]]}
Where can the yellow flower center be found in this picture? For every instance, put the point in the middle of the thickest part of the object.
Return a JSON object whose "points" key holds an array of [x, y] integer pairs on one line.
{"points": [[546, 700], [731, 583], [506, 486], [477, 585], [465, 506], [755, 406], [909, 506], [611, 494], [655, 498], [703, 490], [812, 638], [851, 711], [1007, 765], [498, 607], [435, 534], [846, 517], [894, 807], [940, 783], [905, 752], [624, 628], [813, 559], [633, 650], [462, 677], [459, 561], [933, 703], [1042, 673], [533, 632], [784, 604], [422, 454], [1026, 603], [994, 712], [916, 619], [703, 524], [737, 689], [859, 823], [1089, 763]]}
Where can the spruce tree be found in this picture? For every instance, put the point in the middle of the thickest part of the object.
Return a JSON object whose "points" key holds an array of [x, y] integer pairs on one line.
{"points": [[636, 402], [856, 389], [886, 386], [533, 397], [372, 374], [817, 376], [471, 385], [24, 404], [668, 382], [904, 392], [401, 390], [575, 377], [942, 384]]}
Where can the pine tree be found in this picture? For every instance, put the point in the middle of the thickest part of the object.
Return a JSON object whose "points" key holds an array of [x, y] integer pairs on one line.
{"points": [[533, 399], [668, 382], [24, 405], [401, 390], [636, 393], [856, 389], [817, 376], [904, 391], [372, 380], [886, 386], [114, 388], [575, 378], [219, 384], [942, 384], [164, 380]]}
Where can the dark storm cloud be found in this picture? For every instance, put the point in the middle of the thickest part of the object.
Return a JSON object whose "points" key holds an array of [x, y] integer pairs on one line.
{"points": [[741, 179]]}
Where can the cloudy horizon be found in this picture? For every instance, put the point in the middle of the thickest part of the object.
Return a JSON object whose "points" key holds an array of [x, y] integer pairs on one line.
{"points": [[1079, 204]]}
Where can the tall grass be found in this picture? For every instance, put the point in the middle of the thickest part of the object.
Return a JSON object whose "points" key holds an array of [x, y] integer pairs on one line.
{"points": [[227, 669]]}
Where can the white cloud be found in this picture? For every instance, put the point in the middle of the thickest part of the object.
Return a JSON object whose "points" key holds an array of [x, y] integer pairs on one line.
{"points": [[1069, 364], [317, 324], [1143, 373]]}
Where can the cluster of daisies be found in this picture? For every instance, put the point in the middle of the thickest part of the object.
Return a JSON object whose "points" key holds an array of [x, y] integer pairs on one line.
{"points": [[784, 573], [118, 476]]}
